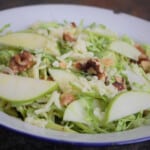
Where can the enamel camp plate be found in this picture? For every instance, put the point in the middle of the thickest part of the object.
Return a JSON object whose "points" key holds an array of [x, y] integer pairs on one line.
{"points": [[136, 28]]}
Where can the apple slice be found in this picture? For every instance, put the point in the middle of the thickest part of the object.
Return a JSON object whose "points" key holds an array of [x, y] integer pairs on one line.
{"points": [[24, 40], [63, 78], [76, 112], [127, 103], [20, 90], [125, 49]]}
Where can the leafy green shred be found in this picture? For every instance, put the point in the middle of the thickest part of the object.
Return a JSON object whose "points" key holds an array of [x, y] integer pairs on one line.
{"points": [[2, 29], [64, 46], [98, 44], [6, 55], [127, 39]]}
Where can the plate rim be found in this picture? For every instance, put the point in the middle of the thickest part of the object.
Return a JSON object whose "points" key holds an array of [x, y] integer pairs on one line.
{"points": [[65, 141], [72, 5], [87, 144]]}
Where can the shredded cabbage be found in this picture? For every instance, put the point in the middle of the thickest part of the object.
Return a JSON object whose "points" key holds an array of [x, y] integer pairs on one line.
{"points": [[95, 74]]}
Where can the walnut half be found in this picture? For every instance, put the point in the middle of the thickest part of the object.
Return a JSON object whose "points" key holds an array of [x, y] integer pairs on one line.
{"points": [[91, 66], [21, 62]]}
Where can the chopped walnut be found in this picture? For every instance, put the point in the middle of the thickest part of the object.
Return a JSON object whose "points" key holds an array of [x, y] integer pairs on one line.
{"points": [[102, 76], [144, 62], [66, 99], [73, 24], [68, 38], [119, 86], [146, 65], [21, 62], [91, 66], [139, 47], [142, 57], [119, 83]]}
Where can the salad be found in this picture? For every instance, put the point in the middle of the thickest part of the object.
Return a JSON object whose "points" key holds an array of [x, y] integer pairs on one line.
{"points": [[74, 78]]}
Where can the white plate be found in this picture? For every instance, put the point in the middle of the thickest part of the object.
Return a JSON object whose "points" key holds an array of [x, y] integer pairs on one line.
{"points": [[136, 28]]}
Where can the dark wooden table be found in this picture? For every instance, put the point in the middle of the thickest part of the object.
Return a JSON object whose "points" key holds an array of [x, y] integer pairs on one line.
{"points": [[10, 140]]}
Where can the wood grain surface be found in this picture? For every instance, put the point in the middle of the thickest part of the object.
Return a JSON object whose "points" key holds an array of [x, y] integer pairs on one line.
{"points": [[10, 140]]}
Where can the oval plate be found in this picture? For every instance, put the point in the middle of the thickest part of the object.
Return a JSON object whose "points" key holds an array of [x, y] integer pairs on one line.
{"points": [[136, 28]]}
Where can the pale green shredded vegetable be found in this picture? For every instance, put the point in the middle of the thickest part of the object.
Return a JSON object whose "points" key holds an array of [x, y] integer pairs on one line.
{"points": [[89, 75]]}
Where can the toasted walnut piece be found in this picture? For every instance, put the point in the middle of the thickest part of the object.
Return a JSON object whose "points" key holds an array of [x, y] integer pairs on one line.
{"points": [[142, 57], [139, 47], [78, 65], [13, 65], [21, 62], [68, 38], [119, 83], [146, 65], [73, 24], [102, 76], [91, 66], [144, 62], [119, 86], [66, 99]]}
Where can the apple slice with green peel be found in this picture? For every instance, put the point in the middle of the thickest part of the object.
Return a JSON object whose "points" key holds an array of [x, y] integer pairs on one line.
{"points": [[24, 40], [126, 104], [125, 49], [21, 90], [76, 112]]}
